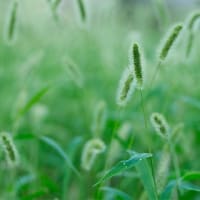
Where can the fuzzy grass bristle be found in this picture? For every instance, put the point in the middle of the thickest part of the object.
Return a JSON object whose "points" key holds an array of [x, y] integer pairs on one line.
{"points": [[90, 151], [126, 87], [160, 124], [169, 42], [137, 64], [9, 149]]}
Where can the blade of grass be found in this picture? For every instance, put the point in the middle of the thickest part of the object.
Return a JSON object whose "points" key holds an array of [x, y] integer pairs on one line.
{"points": [[53, 144], [123, 166], [117, 193], [146, 177]]}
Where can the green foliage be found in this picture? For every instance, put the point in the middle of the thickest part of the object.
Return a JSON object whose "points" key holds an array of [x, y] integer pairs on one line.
{"points": [[59, 80], [124, 165]]}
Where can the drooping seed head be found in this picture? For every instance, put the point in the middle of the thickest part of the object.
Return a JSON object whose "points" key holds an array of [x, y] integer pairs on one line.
{"points": [[160, 124], [137, 64], [99, 118], [126, 87], [169, 42], [193, 19], [9, 149], [90, 151], [12, 19]]}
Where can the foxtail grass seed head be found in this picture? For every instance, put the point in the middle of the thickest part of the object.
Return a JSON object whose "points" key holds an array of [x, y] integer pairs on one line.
{"points": [[54, 4], [163, 170], [169, 42], [124, 130], [90, 151], [126, 87], [99, 119], [73, 72], [12, 21], [82, 10], [137, 64], [9, 149], [160, 124], [193, 19]]}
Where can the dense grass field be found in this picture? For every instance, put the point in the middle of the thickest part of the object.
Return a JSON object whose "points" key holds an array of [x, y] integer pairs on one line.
{"points": [[70, 129]]}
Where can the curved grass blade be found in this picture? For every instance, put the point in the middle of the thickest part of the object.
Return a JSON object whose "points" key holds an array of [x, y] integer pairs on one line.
{"points": [[189, 186], [146, 177], [59, 150], [166, 194], [117, 193], [23, 181], [124, 165], [191, 101], [183, 185], [191, 176], [33, 100]]}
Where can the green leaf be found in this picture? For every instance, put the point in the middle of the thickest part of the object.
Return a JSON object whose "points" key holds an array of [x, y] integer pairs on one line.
{"points": [[32, 101], [146, 177], [117, 193], [191, 176], [189, 186], [60, 151], [183, 185], [191, 101], [166, 194], [124, 165], [24, 136], [24, 180]]}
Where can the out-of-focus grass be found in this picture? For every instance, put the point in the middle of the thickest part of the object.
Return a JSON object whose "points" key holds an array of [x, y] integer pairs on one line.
{"points": [[100, 50]]}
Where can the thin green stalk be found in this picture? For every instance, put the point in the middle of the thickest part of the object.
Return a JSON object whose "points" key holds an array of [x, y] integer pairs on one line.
{"points": [[108, 151], [146, 127], [175, 163], [143, 109], [155, 74]]}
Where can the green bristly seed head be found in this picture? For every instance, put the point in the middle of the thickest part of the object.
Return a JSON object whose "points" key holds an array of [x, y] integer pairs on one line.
{"points": [[137, 65], [90, 151], [126, 88], [160, 124], [170, 41], [9, 149], [12, 21]]}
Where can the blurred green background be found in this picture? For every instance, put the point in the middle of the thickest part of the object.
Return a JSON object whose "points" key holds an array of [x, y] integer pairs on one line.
{"points": [[99, 47]]}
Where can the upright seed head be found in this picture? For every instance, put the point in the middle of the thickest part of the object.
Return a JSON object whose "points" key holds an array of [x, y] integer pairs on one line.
{"points": [[9, 149], [124, 131], [192, 20], [163, 169], [126, 87], [90, 151], [82, 10], [11, 24], [73, 72], [174, 33], [99, 118], [160, 124], [137, 65]]}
